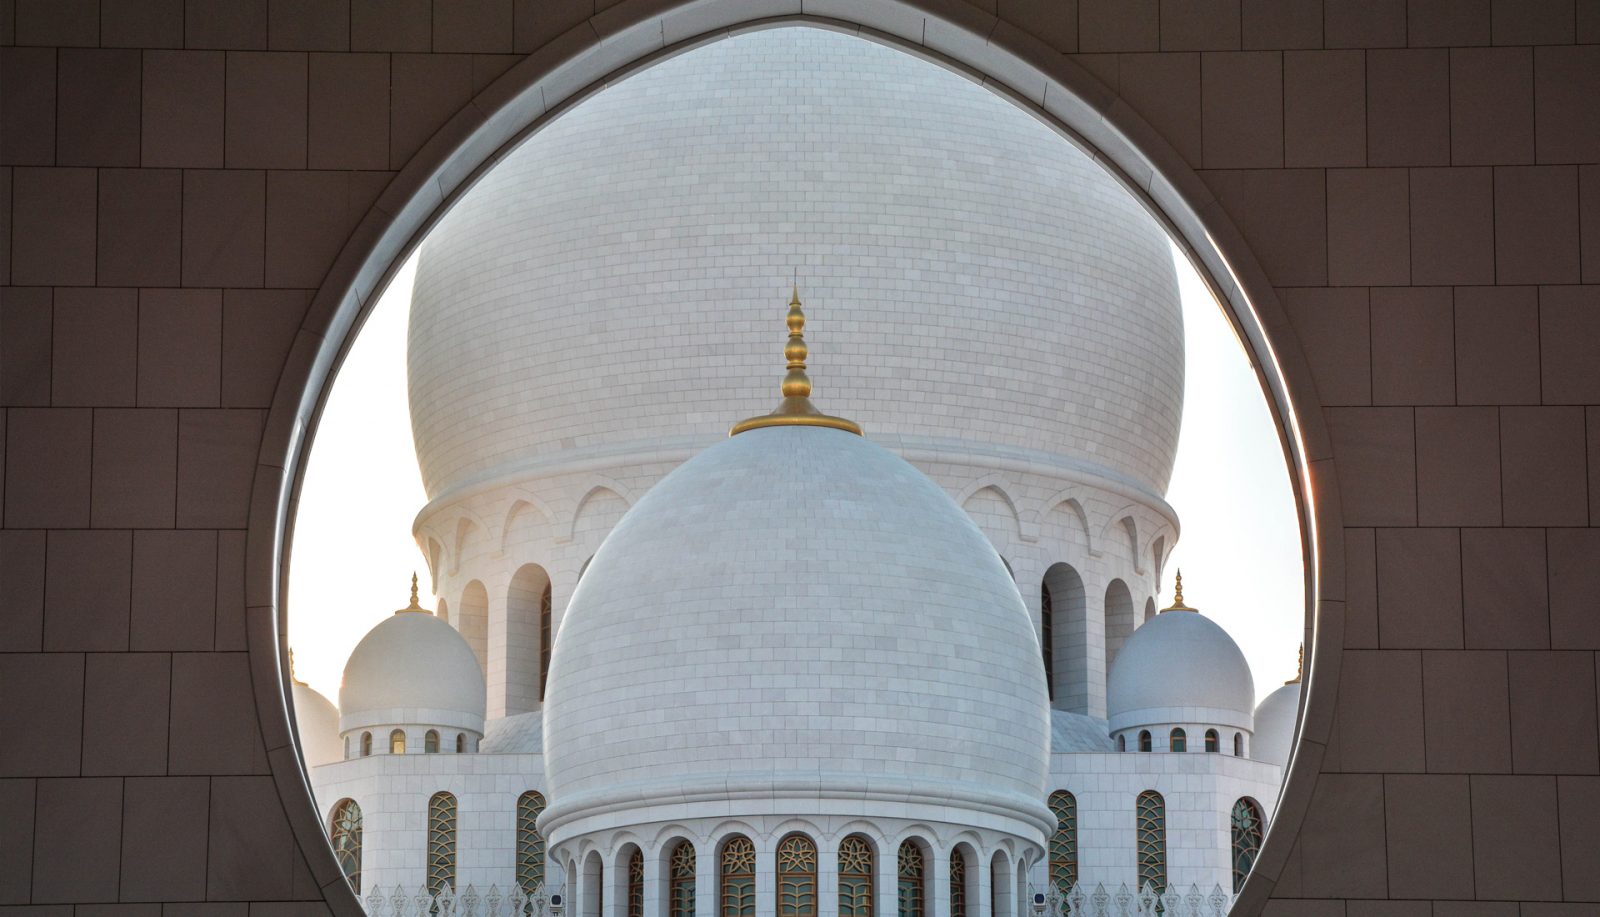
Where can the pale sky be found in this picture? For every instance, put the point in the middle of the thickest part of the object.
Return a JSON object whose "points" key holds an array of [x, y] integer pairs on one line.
{"points": [[353, 554]]}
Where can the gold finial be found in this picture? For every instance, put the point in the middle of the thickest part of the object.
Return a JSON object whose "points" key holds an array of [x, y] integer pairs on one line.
{"points": [[1299, 667], [413, 606], [796, 408], [1177, 595]]}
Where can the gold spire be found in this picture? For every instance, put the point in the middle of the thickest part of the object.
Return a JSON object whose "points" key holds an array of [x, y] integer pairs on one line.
{"points": [[1177, 595], [1299, 667], [413, 606], [796, 408]]}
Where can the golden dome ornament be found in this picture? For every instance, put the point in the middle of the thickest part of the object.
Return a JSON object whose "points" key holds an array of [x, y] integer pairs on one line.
{"points": [[796, 409]]}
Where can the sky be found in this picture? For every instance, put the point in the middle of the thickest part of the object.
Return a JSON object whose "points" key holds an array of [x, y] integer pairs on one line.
{"points": [[353, 554]]}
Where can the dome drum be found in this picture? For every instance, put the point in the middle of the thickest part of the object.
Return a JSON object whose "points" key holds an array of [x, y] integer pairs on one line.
{"points": [[410, 718]]}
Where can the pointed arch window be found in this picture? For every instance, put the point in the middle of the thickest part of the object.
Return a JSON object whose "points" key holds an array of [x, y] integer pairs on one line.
{"points": [[1122, 743], [366, 744], [344, 830], [738, 876], [1248, 830], [430, 742], [441, 843], [397, 742], [530, 843], [1178, 740], [545, 613], [855, 877], [958, 883], [1212, 743], [461, 742], [913, 902], [1144, 740], [797, 877], [1064, 842], [1150, 828], [1238, 745], [636, 884], [680, 881], [1047, 643]]}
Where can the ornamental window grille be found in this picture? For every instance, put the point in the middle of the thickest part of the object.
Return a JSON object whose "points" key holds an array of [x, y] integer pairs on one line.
{"points": [[1144, 740], [1150, 827], [797, 877], [1238, 745], [680, 881], [366, 744], [430, 742], [636, 884], [441, 843], [1211, 740], [1178, 740], [530, 843], [958, 883], [1047, 621], [912, 899], [1064, 842], [545, 608], [397, 742], [738, 877], [344, 831], [855, 877], [1248, 831]]}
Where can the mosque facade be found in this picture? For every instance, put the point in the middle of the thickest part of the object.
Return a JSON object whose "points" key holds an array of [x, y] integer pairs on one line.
{"points": [[910, 660]]}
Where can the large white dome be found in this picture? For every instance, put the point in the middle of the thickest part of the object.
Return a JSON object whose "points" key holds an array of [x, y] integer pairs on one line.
{"points": [[412, 668], [796, 610], [608, 287], [1180, 667], [317, 722], [1275, 721]]}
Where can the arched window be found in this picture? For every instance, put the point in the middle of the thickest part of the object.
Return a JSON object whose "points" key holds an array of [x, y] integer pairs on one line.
{"points": [[738, 877], [958, 883], [344, 830], [461, 742], [1238, 745], [797, 877], [1178, 740], [1248, 829], [366, 744], [530, 843], [1122, 743], [912, 899], [1150, 827], [680, 881], [1047, 643], [347, 748], [636, 884], [1211, 740], [855, 877], [430, 742], [441, 843], [544, 639], [1064, 842], [1144, 740], [397, 742]]}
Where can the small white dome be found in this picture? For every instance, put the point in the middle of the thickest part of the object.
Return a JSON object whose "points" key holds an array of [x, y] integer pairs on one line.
{"points": [[412, 668], [1275, 720], [317, 720], [1180, 667]]}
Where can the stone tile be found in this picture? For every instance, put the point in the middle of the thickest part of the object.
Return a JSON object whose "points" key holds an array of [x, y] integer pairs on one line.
{"points": [[226, 24], [76, 841], [1536, 224], [266, 123], [182, 115], [1324, 108], [426, 90], [180, 348], [392, 25], [135, 472], [1589, 220], [1282, 213], [224, 228], [1428, 826], [174, 590], [47, 467], [1566, 83], [1458, 466], [16, 840], [1342, 841], [1408, 108], [1364, 23], [1165, 90], [1206, 25], [86, 591], [52, 227], [1361, 588], [57, 22], [250, 848], [214, 727], [1378, 724], [1335, 335], [1281, 24], [1588, 21], [5, 227], [216, 464], [308, 25], [307, 224], [140, 213], [472, 27], [93, 356], [125, 713], [1419, 588], [207, 909], [22, 570], [230, 623], [1505, 598], [28, 120], [1466, 711], [1515, 807], [97, 107], [1574, 582], [1491, 106], [1447, 23], [1532, 22], [175, 809], [258, 328], [1376, 452], [1497, 345], [349, 121], [1592, 416], [1553, 726], [1474, 909], [1569, 319], [1413, 354], [25, 319], [1578, 802], [1542, 457], [141, 23], [1241, 109], [1452, 226], [1369, 227], [52, 719]]}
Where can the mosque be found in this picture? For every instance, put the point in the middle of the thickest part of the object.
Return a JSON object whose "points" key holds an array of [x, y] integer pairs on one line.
{"points": [[902, 655]]}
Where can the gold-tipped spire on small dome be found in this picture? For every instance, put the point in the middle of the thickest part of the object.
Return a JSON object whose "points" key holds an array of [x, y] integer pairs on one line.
{"points": [[1299, 667], [796, 409], [1177, 595], [413, 606]]}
